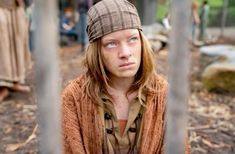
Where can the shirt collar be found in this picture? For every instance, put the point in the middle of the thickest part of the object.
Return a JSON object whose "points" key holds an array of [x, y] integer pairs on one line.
{"points": [[105, 98]]}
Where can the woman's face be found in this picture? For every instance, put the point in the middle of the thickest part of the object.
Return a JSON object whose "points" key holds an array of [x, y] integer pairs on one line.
{"points": [[121, 53]]}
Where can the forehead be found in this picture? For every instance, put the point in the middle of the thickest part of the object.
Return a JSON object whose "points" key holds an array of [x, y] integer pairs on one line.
{"points": [[120, 34]]}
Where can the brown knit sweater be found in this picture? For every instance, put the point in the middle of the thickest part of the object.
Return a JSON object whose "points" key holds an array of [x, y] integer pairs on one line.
{"points": [[82, 127]]}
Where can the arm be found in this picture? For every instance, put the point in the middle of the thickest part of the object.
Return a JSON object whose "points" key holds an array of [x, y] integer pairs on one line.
{"points": [[72, 138], [196, 18]]}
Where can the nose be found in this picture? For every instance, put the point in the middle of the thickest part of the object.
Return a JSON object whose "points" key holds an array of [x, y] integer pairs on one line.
{"points": [[125, 51]]}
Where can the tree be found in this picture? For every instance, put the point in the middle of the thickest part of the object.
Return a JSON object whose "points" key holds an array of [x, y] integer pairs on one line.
{"points": [[147, 11]]}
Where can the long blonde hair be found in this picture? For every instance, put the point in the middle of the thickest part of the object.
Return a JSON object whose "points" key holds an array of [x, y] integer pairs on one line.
{"points": [[96, 74]]}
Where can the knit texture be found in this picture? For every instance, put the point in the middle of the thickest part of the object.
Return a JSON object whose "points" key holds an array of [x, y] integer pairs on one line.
{"points": [[82, 126]]}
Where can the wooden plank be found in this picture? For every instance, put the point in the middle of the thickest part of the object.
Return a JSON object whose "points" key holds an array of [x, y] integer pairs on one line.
{"points": [[179, 63], [47, 76]]}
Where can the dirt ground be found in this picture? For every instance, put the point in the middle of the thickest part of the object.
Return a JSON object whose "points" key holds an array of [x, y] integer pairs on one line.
{"points": [[211, 121]]}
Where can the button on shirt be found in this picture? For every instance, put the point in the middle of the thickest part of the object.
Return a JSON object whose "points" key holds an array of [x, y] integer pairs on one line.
{"points": [[121, 136]]}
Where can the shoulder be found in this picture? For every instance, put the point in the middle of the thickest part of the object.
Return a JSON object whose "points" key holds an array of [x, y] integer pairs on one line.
{"points": [[161, 87], [158, 91], [157, 84], [76, 83], [73, 89], [161, 82]]}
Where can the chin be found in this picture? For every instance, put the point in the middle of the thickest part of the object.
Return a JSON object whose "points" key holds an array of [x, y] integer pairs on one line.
{"points": [[127, 74]]}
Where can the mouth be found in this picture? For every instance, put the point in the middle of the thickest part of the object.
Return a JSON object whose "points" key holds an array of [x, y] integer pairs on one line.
{"points": [[126, 64]]}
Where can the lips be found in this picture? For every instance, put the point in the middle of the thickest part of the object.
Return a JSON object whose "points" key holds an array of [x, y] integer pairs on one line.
{"points": [[126, 65]]}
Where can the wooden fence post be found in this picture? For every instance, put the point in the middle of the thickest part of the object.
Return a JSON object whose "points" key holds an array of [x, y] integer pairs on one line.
{"points": [[178, 77], [47, 76]]}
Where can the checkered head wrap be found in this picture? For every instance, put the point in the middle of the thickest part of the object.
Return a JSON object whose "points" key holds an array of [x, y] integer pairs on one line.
{"points": [[108, 16]]}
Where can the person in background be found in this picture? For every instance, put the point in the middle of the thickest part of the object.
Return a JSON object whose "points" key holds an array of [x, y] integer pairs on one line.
{"points": [[82, 7], [204, 13], [67, 24], [195, 20], [118, 105], [31, 21], [14, 50], [166, 22]]}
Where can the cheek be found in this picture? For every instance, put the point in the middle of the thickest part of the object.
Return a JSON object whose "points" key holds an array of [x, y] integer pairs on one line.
{"points": [[107, 60], [138, 52]]}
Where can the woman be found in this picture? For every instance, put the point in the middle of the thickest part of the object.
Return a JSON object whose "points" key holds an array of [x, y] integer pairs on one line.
{"points": [[195, 20], [14, 51], [204, 14], [118, 105]]}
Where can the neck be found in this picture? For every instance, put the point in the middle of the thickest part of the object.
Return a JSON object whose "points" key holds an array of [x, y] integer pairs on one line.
{"points": [[120, 85]]}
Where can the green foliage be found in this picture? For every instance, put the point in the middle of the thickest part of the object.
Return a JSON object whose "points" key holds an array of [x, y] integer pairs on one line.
{"points": [[215, 13], [162, 11], [214, 3]]}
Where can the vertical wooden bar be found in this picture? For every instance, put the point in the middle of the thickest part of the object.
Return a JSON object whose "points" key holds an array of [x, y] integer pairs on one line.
{"points": [[224, 17], [179, 63], [47, 76], [147, 11]]}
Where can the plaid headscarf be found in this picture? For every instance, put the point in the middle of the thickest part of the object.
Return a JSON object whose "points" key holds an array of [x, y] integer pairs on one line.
{"points": [[108, 16]]}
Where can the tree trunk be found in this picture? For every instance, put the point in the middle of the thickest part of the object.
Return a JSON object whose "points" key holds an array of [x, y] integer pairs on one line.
{"points": [[47, 76], [178, 77], [147, 11]]}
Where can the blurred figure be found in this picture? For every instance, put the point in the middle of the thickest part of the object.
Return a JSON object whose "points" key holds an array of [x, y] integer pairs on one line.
{"points": [[14, 51], [67, 24], [204, 12], [83, 7], [31, 21], [195, 19], [166, 22]]}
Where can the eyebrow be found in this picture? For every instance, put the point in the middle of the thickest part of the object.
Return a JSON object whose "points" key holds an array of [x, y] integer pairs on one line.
{"points": [[113, 39], [135, 34], [108, 40]]}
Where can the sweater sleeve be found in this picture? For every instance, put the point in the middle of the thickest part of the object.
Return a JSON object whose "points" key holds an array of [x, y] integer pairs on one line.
{"points": [[187, 147], [72, 138], [163, 146]]}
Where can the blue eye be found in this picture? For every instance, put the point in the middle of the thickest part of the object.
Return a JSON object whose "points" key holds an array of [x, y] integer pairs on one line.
{"points": [[111, 45], [133, 39]]}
